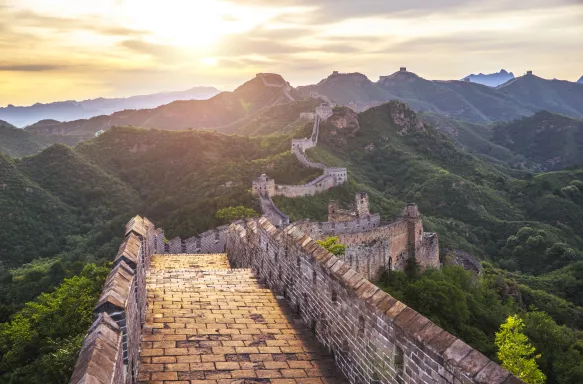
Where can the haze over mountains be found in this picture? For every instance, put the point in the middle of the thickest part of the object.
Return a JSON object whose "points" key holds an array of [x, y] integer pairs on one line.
{"points": [[522, 96], [491, 79], [472, 102], [217, 112], [485, 98], [21, 116]]}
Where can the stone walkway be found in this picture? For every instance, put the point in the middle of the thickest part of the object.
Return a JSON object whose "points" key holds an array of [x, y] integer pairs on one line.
{"points": [[211, 324]]}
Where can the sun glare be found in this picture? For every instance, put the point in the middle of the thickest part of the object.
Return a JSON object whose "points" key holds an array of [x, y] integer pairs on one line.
{"points": [[210, 61], [195, 24]]}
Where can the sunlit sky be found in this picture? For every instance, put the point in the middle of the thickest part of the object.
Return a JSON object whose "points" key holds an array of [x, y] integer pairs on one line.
{"points": [[79, 49]]}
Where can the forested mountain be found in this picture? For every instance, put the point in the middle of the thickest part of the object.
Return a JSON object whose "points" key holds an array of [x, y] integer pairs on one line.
{"points": [[17, 142], [468, 101], [22, 116], [550, 141], [541, 142]]}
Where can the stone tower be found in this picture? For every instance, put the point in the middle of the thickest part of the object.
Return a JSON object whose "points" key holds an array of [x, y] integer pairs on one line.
{"points": [[414, 228], [362, 209], [263, 186]]}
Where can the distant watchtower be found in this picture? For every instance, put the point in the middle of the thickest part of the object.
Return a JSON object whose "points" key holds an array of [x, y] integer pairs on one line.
{"points": [[335, 72], [529, 73], [403, 69]]}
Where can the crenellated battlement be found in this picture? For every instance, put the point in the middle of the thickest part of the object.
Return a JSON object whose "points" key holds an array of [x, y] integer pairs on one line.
{"points": [[110, 351]]}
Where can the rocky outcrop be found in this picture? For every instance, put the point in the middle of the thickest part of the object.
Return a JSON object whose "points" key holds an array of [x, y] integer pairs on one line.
{"points": [[345, 119], [402, 116]]}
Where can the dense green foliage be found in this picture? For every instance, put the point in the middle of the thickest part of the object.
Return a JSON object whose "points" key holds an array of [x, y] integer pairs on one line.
{"points": [[17, 142], [551, 141], [473, 309], [41, 342], [454, 300], [517, 353], [230, 214]]}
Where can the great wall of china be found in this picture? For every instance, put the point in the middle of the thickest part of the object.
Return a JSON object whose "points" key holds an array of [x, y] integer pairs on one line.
{"points": [[265, 187], [276, 308], [260, 301]]}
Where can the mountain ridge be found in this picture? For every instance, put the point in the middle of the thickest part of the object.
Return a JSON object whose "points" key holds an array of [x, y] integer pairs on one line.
{"points": [[463, 100], [68, 110], [219, 111], [491, 79]]}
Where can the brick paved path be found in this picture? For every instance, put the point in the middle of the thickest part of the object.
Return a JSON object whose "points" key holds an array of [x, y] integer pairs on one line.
{"points": [[211, 324]]}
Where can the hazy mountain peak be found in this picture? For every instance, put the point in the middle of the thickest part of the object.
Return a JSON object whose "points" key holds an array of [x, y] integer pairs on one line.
{"points": [[580, 80], [400, 75], [491, 79], [351, 77], [69, 110]]}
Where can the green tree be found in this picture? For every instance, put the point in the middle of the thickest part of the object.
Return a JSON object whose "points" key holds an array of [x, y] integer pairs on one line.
{"points": [[332, 245], [41, 342], [230, 214], [516, 352]]}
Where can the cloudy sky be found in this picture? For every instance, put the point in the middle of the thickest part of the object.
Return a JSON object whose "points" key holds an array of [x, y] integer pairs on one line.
{"points": [[77, 49]]}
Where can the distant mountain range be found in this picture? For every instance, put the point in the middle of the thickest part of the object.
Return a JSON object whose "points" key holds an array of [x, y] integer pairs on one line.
{"points": [[580, 80], [267, 104], [218, 112], [522, 96], [74, 110], [491, 79]]}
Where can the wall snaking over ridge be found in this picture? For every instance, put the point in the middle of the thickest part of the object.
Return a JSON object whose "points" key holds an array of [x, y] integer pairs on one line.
{"points": [[332, 177]]}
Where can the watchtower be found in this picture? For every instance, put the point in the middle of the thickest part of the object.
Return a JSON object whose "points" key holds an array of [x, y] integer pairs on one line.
{"points": [[403, 69], [529, 73], [263, 186]]}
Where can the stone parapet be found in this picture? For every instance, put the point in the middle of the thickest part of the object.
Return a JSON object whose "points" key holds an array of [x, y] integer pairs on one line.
{"points": [[110, 352], [100, 359], [374, 337]]}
